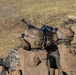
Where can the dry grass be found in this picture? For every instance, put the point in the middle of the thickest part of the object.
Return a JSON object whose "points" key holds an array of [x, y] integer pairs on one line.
{"points": [[37, 12]]}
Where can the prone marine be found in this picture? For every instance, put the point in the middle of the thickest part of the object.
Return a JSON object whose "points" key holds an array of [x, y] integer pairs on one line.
{"points": [[33, 52]]}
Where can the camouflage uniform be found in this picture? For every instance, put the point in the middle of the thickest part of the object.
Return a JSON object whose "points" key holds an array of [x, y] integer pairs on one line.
{"points": [[54, 56], [57, 58], [67, 52], [34, 62], [33, 56], [14, 59]]}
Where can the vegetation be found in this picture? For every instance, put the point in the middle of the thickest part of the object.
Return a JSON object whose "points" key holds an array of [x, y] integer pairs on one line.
{"points": [[36, 12]]}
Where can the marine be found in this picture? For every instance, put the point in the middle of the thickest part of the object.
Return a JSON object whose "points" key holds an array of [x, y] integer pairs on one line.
{"points": [[30, 57], [34, 58], [48, 46], [67, 51]]}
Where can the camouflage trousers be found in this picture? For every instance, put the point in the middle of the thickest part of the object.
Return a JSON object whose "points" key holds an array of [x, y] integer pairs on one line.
{"points": [[55, 59], [14, 59]]}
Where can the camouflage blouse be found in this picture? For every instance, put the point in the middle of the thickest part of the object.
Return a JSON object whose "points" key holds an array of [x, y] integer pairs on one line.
{"points": [[14, 59]]}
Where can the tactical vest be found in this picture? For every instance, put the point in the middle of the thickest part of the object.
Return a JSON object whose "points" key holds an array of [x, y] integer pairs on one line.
{"points": [[67, 60], [34, 62]]}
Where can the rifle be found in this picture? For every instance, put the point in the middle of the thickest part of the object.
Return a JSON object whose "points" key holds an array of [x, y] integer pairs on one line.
{"points": [[28, 24], [44, 28], [48, 31]]}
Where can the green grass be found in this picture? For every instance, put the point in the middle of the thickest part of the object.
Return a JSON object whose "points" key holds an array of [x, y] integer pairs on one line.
{"points": [[36, 12]]}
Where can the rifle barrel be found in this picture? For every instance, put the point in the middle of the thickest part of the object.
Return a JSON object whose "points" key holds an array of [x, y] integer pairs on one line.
{"points": [[28, 24]]}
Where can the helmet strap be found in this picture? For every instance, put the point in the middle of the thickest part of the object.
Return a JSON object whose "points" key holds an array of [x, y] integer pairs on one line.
{"points": [[26, 45]]}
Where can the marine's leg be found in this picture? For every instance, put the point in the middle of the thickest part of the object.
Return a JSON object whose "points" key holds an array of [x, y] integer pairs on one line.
{"points": [[56, 56]]}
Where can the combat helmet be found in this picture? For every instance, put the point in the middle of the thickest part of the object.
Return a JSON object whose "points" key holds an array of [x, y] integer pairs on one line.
{"points": [[65, 33], [33, 38]]}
